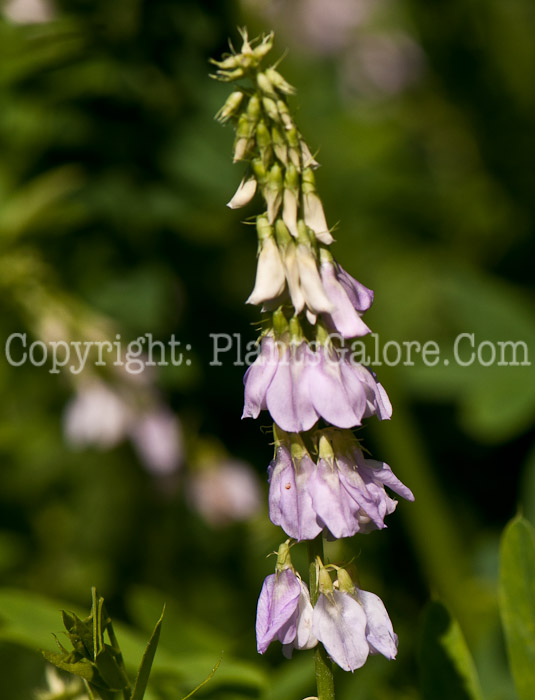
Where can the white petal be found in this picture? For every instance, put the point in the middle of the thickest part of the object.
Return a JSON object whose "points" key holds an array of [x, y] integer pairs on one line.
{"points": [[315, 217], [289, 212], [292, 277], [311, 283], [244, 193], [270, 275], [379, 631], [340, 626]]}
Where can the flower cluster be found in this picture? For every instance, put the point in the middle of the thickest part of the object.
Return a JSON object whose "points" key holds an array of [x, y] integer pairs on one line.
{"points": [[320, 483], [349, 622]]}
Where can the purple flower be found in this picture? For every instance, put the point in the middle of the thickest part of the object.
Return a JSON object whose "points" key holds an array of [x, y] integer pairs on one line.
{"points": [[349, 298], [298, 386], [353, 625], [290, 503], [284, 612], [342, 494]]}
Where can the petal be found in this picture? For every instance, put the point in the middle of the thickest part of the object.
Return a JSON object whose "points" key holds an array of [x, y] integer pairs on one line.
{"points": [[329, 396], [331, 503], [355, 388], [377, 399], [270, 274], [290, 505], [244, 193], [258, 378], [292, 277], [277, 609], [344, 317], [289, 211], [311, 283], [360, 296], [287, 396], [304, 638], [340, 625], [356, 487], [315, 217], [379, 631], [380, 471]]}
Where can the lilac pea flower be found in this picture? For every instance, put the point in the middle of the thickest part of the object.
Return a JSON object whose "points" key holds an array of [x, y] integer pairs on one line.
{"points": [[339, 623], [349, 298], [258, 377], [352, 623], [275, 381], [348, 494], [288, 396], [278, 605], [290, 503]]}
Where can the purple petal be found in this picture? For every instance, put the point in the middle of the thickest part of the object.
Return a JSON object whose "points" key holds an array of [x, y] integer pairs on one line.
{"points": [[355, 388], [380, 471], [329, 396], [331, 503], [276, 612], [360, 296], [379, 631], [340, 625], [287, 397], [344, 318], [258, 378], [378, 402], [356, 487], [290, 505]]}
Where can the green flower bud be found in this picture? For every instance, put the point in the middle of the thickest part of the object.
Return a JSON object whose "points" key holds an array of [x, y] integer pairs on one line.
{"points": [[254, 110], [283, 557], [279, 145], [264, 47], [280, 324], [265, 85], [263, 141], [345, 583], [259, 170], [284, 112], [276, 79], [272, 191], [230, 107], [270, 107]]}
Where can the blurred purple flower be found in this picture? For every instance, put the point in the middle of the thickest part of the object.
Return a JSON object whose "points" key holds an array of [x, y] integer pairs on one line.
{"points": [[298, 386], [225, 492], [157, 438]]}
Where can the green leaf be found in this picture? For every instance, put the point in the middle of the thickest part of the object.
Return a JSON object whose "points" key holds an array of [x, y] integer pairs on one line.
{"points": [[446, 667], [146, 662], [517, 602], [83, 668]]}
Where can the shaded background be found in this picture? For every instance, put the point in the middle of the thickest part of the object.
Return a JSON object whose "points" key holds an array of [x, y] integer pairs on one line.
{"points": [[113, 181]]}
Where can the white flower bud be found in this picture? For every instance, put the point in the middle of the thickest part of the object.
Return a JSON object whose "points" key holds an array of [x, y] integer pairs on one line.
{"points": [[315, 217], [244, 193], [270, 278], [292, 277]]}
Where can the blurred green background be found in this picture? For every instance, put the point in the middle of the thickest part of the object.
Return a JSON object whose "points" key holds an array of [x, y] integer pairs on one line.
{"points": [[113, 182]]}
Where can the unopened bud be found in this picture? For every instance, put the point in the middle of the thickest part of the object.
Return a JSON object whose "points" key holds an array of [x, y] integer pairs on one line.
{"points": [[345, 583], [276, 79], [254, 109], [271, 109], [230, 107], [279, 145], [265, 85]]}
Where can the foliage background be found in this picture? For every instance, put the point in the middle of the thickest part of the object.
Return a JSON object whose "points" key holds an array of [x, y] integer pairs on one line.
{"points": [[113, 181]]}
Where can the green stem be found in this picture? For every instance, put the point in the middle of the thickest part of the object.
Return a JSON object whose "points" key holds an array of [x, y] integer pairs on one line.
{"points": [[324, 672]]}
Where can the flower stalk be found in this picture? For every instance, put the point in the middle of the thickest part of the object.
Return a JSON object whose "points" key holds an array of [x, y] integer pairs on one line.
{"points": [[320, 482]]}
